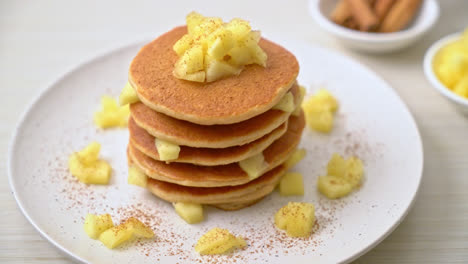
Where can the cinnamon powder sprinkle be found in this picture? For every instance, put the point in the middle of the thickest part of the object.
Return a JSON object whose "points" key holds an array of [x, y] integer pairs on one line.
{"points": [[170, 242]]}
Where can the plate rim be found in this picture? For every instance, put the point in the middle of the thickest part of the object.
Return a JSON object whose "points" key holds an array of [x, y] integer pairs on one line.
{"points": [[289, 39], [46, 89]]}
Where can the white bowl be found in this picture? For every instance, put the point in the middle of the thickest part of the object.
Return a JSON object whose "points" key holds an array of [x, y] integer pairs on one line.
{"points": [[375, 42], [459, 102]]}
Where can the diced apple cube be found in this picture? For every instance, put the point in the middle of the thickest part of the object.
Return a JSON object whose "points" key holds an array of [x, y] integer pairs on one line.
{"points": [[138, 228], [218, 241], [220, 48], [334, 187], [291, 184], [116, 235], [343, 176], [254, 166], [295, 158], [90, 153], [219, 69], [183, 44], [259, 56], [239, 28], [167, 150], [255, 35], [86, 166], [99, 173], [354, 171], [320, 121], [206, 27], [286, 103], [192, 59], [108, 103], [193, 19], [111, 114], [324, 98], [220, 43], [336, 166], [94, 225], [240, 55], [137, 177], [128, 95], [190, 212], [297, 219], [319, 111]]}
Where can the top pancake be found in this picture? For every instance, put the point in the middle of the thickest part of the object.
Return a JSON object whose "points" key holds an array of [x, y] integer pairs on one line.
{"points": [[234, 99]]}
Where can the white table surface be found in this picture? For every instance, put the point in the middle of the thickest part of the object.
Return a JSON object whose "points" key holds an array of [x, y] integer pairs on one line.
{"points": [[41, 40]]}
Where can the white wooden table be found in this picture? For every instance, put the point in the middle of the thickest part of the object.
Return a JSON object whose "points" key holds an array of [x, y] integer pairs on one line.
{"points": [[40, 40]]}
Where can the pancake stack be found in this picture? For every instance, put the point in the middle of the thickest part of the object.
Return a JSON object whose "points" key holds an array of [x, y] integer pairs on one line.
{"points": [[218, 126]]}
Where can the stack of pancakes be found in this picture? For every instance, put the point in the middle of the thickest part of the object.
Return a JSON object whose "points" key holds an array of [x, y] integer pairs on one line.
{"points": [[217, 125]]}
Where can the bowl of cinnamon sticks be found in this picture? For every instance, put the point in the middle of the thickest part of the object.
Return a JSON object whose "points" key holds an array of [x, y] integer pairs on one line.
{"points": [[375, 26]]}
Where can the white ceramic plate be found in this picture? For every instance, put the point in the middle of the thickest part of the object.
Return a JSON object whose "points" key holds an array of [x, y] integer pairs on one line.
{"points": [[372, 123]]}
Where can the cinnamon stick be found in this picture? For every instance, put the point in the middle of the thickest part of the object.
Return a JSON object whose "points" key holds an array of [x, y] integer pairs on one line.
{"points": [[400, 15], [381, 8], [351, 23], [362, 13], [341, 13]]}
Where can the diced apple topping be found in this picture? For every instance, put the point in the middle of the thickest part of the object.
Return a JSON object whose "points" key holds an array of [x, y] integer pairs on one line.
{"points": [[128, 95], [291, 183], [286, 103], [212, 49], [295, 158], [190, 212], [343, 176], [115, 236], [336, 166], [129, 229], [319, 110], [297, 219], [254, 166], [333, 187], [94, 225], [89, 155], [139, 229], [111, 115], [86, 166], [216, 69], [218, 241], [137, 177], [167, 150]]}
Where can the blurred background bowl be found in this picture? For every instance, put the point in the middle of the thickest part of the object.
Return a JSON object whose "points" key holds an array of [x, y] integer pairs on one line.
{"points": [[375, 42], [458, 102]]}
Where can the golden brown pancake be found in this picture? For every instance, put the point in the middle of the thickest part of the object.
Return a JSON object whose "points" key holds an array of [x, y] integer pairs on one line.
{"points": [[145, 143], [216, 136], [221, 175], [226, 198], [244, 193], [231, 100], [236, 206]]}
